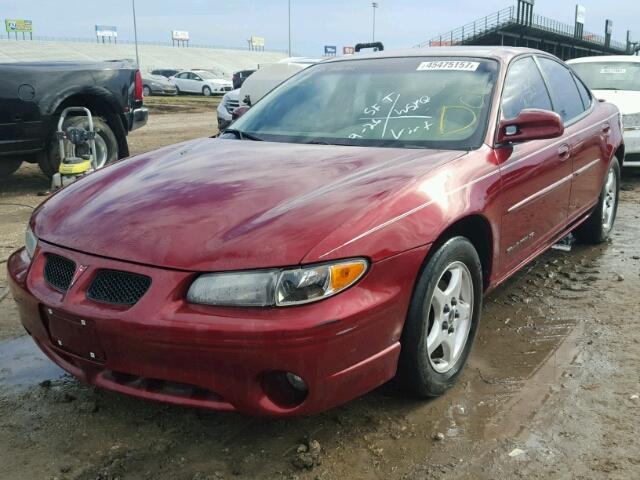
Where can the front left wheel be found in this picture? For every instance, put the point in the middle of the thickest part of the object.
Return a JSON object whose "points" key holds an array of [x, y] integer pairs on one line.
{"points": [[442, 319], [206, 91]]}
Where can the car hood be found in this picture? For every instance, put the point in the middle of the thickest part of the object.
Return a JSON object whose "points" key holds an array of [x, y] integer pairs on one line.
{"points": [[223, 204], [627, 101]]}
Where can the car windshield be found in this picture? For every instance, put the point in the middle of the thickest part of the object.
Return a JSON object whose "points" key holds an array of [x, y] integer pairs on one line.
{"points": [[411, 102], [609, 75]]}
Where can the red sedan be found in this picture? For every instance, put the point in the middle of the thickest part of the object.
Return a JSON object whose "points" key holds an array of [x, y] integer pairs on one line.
{"points": [[340, 234]]}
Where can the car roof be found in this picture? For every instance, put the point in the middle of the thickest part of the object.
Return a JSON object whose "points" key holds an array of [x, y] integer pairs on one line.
{"points": [[499, 53], [606, 58]]}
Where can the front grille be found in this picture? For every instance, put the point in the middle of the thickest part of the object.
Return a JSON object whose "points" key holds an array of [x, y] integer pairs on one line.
{"points": [[232, 105], [118, 288], [58, 271]]}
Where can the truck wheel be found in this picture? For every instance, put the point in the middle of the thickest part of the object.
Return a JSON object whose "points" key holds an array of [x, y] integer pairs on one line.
{"points": [[598, 226], [106, 145], [442, 319], [9, 165], [206, 91]]}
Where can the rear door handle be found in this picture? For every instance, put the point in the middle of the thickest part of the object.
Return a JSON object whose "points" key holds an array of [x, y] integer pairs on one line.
{"points": [[564, 151], [606, 128]]}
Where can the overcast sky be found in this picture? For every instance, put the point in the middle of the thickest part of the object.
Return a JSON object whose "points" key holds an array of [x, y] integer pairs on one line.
{"points": [[399, 23]]}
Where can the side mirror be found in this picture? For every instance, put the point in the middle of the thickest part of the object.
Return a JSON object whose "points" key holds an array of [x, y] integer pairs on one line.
{"points": [[530, 124], [239, 111]]}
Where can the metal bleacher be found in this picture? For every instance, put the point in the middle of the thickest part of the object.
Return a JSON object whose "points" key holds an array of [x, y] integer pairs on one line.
{"points": [[509, 27]]}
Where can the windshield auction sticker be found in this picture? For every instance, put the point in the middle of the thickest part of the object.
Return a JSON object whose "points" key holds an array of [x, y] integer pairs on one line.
{"points": [[449, 65]]}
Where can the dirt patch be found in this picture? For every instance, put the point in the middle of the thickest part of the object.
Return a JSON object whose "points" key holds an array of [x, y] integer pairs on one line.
{"points": [[182, 104], [550, 390]]}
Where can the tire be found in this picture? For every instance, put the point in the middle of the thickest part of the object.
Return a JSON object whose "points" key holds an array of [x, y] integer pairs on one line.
{"points": [[429, 374], [9, 165], [146, 91], [106, 145], [596, 229], [178, 92], [206, 91]]}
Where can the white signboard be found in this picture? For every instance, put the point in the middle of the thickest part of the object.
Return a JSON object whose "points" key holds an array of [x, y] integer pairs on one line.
{"points": [[581, 14], [106, 31], [181, 35]]}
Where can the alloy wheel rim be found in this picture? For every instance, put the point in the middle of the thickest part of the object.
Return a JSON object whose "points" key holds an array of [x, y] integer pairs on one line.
{"points": [[609, 205], [449, 317], [102, 152]]}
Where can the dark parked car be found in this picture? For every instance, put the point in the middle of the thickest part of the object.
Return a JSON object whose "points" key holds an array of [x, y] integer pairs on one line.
{"points": [[165, 72], [33, 95], [341, 233], [239, 77], [157, 85]]}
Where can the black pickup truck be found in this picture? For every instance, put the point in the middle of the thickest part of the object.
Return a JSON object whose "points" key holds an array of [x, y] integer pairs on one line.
{"points": [[32, 96]]}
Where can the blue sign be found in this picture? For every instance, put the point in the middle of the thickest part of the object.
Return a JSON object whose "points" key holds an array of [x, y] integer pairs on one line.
{"points": [[330, 50]]}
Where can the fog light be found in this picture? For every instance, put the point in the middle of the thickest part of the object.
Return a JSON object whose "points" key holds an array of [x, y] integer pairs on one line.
{"points": [[296, 382]]}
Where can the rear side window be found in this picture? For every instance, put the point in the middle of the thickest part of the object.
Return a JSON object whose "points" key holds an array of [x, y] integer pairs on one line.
{"points": [[564, 91], [524, 88], [584, 93]]}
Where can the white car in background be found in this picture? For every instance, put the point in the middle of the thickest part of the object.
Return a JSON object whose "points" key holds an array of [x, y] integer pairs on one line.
{"points": [[256, 86], [616, 79], [202, 82]]}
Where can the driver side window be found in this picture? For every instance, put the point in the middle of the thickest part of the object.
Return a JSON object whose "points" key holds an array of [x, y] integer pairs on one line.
{"points": [[524, 88]]}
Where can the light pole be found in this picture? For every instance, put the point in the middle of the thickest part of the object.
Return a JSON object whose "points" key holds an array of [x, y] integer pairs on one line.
{"points": [[289, 28], [135, 30], [374, 5]]}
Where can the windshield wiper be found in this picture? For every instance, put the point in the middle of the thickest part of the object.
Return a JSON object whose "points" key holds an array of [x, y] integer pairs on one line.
{"points": [[242, 135]]}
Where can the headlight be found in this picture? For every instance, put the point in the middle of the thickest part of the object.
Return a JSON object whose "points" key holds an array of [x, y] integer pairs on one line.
{"points": [[631, 122], [30, 242], [276, 287]]}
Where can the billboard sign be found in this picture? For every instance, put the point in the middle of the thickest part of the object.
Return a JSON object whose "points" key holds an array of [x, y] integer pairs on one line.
{"points": [[257, 41], [330, 50], [608, 27], [581, 14], [530, 2], [106, 31], [18, 25], [181, 35], [348, 50]]}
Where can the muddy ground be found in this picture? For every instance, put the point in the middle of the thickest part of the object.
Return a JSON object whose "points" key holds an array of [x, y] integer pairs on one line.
{"points": [[551, 389]]}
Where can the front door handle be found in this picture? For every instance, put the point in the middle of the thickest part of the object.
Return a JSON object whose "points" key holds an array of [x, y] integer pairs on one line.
{"points": [[606, 128], [564, 151]]}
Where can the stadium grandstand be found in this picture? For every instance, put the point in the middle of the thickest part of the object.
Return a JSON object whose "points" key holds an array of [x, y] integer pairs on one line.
{"points": [[152, 56], [519, 26]]}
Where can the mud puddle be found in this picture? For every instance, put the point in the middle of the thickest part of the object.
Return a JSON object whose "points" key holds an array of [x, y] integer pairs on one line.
{"points": [[23, 365]]}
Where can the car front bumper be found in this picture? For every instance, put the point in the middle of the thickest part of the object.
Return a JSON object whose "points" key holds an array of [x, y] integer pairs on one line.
{"points": [[163, 90], [163, 348]]}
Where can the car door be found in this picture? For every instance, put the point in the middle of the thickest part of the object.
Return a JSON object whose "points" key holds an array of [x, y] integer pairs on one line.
{"points": [[573, 102], [536, 175], [182, 81], [196, 82]]}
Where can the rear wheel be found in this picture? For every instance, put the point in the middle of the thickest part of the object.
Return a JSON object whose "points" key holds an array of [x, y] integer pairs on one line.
{"points": [[206, 91], [598, 226], [442, 320], [146, 91], [9, 165], [106, 145]]}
